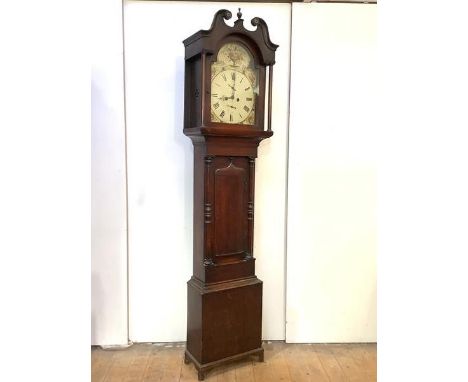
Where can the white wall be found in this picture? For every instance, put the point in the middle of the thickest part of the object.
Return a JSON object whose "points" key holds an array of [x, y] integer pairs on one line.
{"points": [[160, 167], [108, 184], [331, 242], [331, 216]]}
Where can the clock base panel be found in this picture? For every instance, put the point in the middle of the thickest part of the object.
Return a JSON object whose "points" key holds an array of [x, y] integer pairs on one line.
{"points": [[224, 322]]}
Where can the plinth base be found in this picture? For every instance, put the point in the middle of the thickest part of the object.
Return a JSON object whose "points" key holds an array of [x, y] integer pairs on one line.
{"points": [[224, 322], [204, 368]]}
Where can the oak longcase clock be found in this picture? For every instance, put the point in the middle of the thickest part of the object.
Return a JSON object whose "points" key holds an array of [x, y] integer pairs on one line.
{"points": [[227, 113]]}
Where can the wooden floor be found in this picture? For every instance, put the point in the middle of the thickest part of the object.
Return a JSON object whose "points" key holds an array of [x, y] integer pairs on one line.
{"points": [[283, 362]]}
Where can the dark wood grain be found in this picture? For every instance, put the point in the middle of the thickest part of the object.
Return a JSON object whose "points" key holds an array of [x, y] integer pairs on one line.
{"points": [[224, 309]]}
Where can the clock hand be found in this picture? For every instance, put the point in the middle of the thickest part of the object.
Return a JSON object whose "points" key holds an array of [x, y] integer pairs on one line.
{"points": [[232, 87]]}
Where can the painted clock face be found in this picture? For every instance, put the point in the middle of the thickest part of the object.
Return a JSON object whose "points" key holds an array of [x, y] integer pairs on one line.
{"points": [[234, 86], [232, 96]]}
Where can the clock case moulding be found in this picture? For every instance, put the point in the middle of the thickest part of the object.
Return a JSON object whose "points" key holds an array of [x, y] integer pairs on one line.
{"points": [[200, 52], [224, 310]]}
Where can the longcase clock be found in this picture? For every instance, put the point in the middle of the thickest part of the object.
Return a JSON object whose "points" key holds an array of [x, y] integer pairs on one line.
{"points": [[228, 82]]}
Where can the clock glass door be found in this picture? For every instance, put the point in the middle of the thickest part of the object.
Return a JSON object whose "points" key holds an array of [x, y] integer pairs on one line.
{"points": [[234, 86]]}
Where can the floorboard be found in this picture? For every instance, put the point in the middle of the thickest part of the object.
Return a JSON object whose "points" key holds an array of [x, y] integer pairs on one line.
{"points": [[283, 363]]}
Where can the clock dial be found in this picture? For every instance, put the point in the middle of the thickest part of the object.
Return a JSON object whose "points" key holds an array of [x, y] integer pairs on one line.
{"points": [[232, 96], [233, 86]]}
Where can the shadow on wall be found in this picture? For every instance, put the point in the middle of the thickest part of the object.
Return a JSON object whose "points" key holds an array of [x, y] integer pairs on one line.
{"points": [[187, 149]]}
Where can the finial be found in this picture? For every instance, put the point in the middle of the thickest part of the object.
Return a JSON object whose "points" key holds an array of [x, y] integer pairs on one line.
{"points": [[239, 14]]}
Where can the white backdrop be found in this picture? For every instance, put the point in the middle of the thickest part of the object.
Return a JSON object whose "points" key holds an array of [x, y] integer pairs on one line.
{"points": [[331, 287], [160, 168], [108, 183], [331, 252]]}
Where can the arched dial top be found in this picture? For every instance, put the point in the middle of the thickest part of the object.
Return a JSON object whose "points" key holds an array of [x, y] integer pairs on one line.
{"points": [[234, 85], [234, 54]]}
